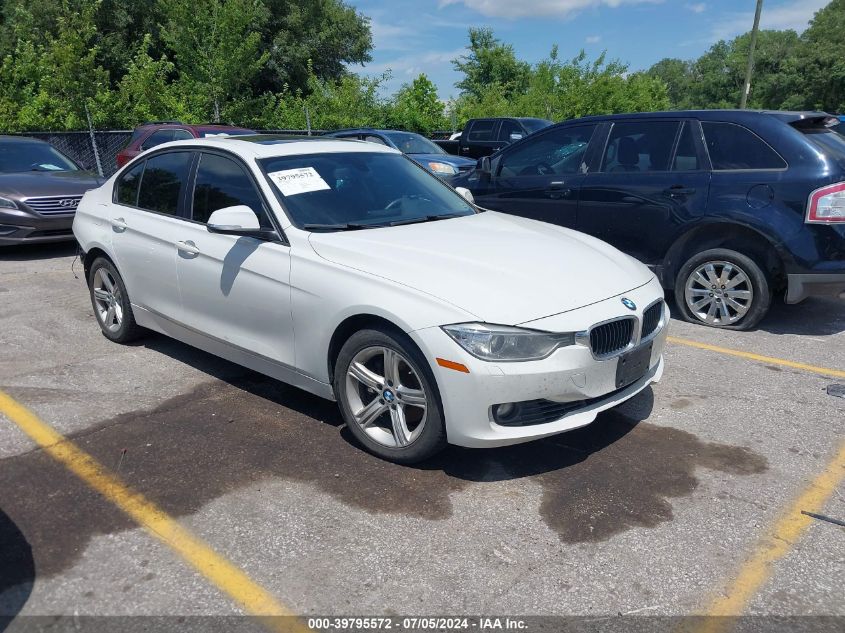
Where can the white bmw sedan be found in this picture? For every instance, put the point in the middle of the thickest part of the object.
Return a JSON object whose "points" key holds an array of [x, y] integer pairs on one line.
{"points": [[344, 268]]}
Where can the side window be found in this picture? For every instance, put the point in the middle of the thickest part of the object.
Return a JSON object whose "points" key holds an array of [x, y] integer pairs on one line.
{"points": [[375, 139], [686, 156], [482, 130], [157, 138], [181, 135], [162, 182], [732, 146], [127, 186], [560, 151], [639, 146], [220, 183], [510, 131]]}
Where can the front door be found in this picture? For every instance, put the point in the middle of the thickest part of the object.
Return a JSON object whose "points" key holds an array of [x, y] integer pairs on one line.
{"points": [[234, 289], [540, 177], [651, 181]]}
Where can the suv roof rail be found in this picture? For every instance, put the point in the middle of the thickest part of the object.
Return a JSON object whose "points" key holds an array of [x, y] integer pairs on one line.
{"points": [[161, 123]]}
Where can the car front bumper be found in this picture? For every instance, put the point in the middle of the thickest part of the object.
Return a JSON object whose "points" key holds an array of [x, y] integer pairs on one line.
{"points": [[570, 375], [18, 227], [801, 286]]}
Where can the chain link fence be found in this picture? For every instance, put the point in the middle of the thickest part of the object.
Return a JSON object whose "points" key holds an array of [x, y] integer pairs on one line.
{"points": [[85, 148]]}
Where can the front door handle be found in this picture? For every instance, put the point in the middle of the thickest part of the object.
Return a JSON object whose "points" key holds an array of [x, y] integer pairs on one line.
{"points": [[679, 190], [188, 247], [557, 190], [119, 225]]}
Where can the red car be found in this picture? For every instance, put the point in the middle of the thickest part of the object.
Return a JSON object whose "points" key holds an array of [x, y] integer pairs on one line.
{"points": [[155, 133]]}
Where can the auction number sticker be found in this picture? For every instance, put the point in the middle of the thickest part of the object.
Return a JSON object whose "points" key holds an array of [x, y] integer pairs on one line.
{"points": [[301, 180]]}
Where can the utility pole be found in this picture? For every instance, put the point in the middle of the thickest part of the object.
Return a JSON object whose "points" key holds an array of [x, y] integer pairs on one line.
{"points": [[746, 88]]}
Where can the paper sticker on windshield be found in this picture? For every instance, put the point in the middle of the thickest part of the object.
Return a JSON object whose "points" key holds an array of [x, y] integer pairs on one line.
{"points": [[294, 181]]}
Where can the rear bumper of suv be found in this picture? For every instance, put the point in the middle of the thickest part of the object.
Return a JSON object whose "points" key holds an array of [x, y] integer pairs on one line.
{"points": [[801, 286]]}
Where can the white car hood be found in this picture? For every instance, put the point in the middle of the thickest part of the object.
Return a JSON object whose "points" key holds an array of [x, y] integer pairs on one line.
{"points": [[502, 269]]}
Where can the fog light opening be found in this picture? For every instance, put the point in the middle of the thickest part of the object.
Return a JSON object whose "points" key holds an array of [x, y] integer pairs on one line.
{"points": [[505, 413]]}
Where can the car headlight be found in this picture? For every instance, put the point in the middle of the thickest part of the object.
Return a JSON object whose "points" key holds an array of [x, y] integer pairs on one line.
{"points": [[5, 203], [504, 343], [442, 168]]}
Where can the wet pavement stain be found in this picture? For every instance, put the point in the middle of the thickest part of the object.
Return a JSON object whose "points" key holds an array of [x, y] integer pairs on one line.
{"points": [[608, 477]]}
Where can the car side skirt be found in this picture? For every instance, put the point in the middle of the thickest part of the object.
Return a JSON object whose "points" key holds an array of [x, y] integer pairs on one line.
{"points": [[262, 364]]}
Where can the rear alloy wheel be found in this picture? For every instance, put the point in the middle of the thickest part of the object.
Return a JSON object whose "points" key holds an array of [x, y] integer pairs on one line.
{"points": [[388, 398], [111, 302], [722, 288]]}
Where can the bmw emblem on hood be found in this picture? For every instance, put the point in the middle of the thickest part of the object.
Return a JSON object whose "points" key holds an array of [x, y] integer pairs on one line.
{"points": [[628, 303]]}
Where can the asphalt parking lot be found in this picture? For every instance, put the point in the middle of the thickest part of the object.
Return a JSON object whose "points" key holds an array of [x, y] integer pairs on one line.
{"points": [[665, 506]]}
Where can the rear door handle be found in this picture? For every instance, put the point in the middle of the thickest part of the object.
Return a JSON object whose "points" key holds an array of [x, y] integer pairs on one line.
{"points": [[188, 247], [119, 225], [679, 190]]}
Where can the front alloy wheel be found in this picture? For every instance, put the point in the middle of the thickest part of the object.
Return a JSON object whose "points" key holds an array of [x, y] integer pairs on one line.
{"points": [[388, 396]]}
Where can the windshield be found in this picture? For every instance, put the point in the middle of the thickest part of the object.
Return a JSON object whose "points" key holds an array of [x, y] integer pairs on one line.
{"points": [[410, 143], [19, 156], [354, 190], [532, 125]]}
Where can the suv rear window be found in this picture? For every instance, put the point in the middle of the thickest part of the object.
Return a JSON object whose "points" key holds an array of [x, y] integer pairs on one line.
{"points": [[829, 140], [733, 146]]}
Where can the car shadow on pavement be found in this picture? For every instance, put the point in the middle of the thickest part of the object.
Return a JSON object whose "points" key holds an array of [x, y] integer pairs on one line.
{"points": [[17, 570], [813, 317], [616, 473], [816, 316], [31, 252]]}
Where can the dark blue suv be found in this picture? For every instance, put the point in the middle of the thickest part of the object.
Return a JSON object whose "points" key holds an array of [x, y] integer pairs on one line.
{"points": [[729, 207]]}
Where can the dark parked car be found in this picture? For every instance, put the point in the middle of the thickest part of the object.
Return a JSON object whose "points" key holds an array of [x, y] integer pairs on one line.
{"points": [[155, 133], [421, 150], [40, 189], [729, 207], [482, 137]]}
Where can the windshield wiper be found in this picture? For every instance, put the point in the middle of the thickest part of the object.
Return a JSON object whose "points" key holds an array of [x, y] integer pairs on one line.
{"points": [[338, 227], [427, 218]]}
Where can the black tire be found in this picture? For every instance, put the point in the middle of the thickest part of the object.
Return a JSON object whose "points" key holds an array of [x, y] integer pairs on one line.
{"points": [[756, 281], [432, 435], [127, 329]]}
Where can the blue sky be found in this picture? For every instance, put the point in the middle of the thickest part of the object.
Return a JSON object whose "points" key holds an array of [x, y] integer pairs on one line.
{"points": [[414, 36]]}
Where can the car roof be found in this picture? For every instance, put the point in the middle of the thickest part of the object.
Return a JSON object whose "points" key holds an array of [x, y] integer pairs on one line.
{"points": [[20, 139], [783, 115], [362, 130], [273, 145]]}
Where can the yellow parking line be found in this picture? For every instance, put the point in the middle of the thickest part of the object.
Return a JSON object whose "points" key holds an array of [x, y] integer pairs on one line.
{"points": [[824, 371], [772, 547], [217, 569]]}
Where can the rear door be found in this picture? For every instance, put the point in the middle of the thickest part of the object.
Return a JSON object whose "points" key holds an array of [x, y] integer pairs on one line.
{"points": [[481, 139], [650, 180], [540, 177], [146, 218]]}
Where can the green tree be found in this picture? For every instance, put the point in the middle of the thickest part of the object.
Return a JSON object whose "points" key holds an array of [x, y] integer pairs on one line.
{"points": [[490, 62], [677, 75], [417, 107], [147, 91], [815, 73], [305, 37], [217, 46]]}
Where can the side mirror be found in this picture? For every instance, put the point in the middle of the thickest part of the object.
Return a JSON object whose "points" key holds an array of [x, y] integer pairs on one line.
{"points": [[237, 220], [515, 136], [483, 165], [466, 193]]}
